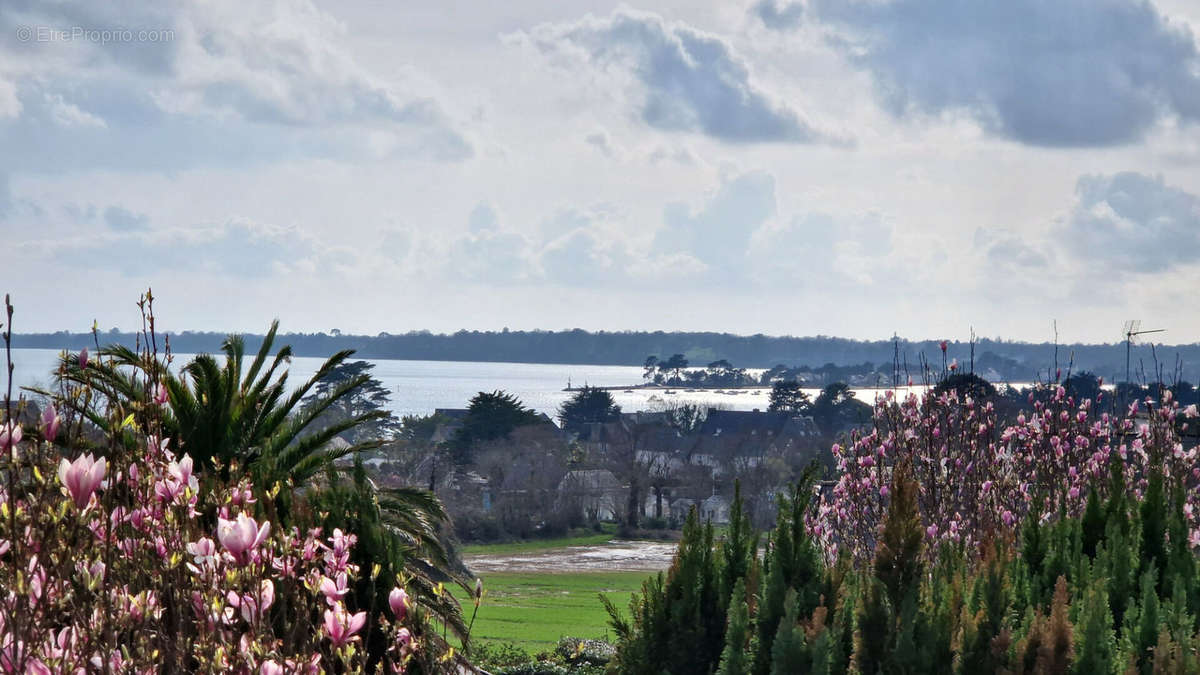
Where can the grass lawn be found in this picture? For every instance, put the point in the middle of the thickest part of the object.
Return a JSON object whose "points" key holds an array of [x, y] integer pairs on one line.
{"points": [[534, 610]]}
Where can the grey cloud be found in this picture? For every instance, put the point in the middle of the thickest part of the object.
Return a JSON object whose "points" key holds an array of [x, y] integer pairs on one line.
{"points": [[1007, 251], [491, 256], [778, 14], [238, 248], [580, 257], [1134, 222], [124, 220], [691, 80], [718, 234], [235, 84], [6, 198], [1063, 73], [483, 218], [600, 141]]}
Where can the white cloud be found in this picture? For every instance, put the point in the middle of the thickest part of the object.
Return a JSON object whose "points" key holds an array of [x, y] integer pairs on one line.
{"points": [[1134, 222], [10, 105], [68, 114]]}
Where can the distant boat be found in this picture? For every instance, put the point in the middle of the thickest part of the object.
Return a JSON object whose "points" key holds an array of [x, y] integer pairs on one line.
{"points": [[669, 391], [628, 391]]}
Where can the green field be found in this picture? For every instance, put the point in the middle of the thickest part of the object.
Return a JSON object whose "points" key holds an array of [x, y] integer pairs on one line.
{"points": [[534, 610]]}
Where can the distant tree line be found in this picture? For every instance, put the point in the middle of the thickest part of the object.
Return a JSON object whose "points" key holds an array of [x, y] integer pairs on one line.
{"points": [[1009, 361]]}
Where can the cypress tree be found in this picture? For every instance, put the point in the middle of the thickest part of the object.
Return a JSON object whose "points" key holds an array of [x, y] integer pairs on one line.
{"points": [[1093, 523], [1153, 550], [1097, 648], [733, 657], [1145, 637]]}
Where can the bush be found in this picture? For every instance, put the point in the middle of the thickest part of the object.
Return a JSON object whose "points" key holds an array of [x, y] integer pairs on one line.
{"points": [[1104, 583]]}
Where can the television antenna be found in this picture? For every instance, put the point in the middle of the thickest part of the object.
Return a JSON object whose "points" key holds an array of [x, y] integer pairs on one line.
{"points": [[1133, 328]]}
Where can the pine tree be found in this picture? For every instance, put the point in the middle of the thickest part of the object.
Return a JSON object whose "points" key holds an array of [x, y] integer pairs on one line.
{"points": [[1096, 648], [1093, 523], [789, 650], [1153, 551], [733, 657], [770, 612], [1145, 636]]}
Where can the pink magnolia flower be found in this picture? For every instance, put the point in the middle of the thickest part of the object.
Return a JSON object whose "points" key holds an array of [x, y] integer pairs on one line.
{"points": [[50, 422], [270, 668], [10, 435], [254, 605], [82, 477], [242, 535], [333, 589], [159, 394], [1008, 518], [341, 626], [203, 552], [931, 531], [83, 358], [398, 601], [181, 471]]}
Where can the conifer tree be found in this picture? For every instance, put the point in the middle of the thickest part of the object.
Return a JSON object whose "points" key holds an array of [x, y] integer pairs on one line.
{"points": [[1096, 648], [1145, 637], [733, 657]]}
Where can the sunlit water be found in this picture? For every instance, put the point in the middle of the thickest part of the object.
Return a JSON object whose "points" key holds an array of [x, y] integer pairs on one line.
{"points": [[418, 387]]}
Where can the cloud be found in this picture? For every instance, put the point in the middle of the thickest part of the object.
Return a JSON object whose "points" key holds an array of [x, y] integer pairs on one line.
{"points": [[718, 233], [600, 141], [778, 14], [1063, 73], [230, 82], [124, 220], [582, 258], [819, 248], [687, 80], [6, 198], [10, 105], [70, 115], [483, 218], [239, 248], [1134, 222], [1008, 252]]}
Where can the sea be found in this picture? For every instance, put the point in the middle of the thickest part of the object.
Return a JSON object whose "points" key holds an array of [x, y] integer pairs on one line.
{"points": [[420, 387]]}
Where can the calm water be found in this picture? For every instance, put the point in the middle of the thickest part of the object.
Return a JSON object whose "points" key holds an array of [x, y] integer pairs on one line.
{"points": [[418, 387]]}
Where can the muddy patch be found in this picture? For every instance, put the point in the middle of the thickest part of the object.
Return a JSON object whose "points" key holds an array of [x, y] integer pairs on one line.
{"points": [[615, 556]]}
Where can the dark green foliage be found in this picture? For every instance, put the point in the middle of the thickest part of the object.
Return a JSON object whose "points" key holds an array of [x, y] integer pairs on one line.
{"points": [[1145, 635], [1153, 552], [489, 416], [733, 657], [1093, 523], [589, 405], [1066, 595], [368, 396], [1096, 648], [787, 396]]}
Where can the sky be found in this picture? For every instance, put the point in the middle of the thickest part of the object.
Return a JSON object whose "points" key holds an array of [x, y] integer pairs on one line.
{"points": [[854, 168]]}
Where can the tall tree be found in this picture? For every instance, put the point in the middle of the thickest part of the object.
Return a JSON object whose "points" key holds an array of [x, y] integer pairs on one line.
{"points": [[787, 396], [675, 366], [369, 396], [590, 405], [490, 416]]}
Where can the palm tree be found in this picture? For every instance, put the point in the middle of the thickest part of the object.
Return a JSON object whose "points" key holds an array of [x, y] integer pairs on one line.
{"points": [[225, 418]]}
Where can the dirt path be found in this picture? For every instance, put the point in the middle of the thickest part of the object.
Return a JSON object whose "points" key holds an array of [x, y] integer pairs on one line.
{"points": [[615, 556]]}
